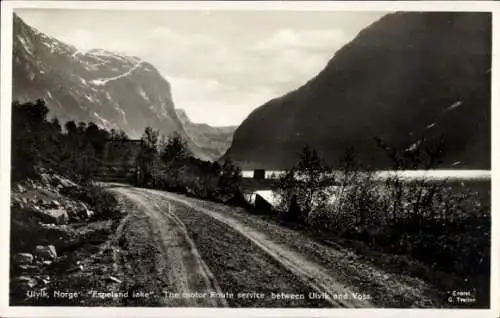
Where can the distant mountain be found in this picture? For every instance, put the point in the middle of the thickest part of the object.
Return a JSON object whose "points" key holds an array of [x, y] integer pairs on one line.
{"points": [[107, 88], [213, 140], [406, 75]]}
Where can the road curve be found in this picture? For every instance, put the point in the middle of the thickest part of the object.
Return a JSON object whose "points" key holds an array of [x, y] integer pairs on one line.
{"points": [[314, 276], [245, 252], [185, 270]]}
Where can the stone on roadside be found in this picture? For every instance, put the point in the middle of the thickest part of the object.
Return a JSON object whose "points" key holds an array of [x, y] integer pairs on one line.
{"points": [[114, 279], [24, 268], [85, 211], [56, 216], [90, 213], [47, 192], [56, 203], [66, 183], [31, 183], [72, 211], [45, 252], [24, 282], [84, 206], [23, 258], [45, 179], [43, 281], [77, 268], [20, 188]]}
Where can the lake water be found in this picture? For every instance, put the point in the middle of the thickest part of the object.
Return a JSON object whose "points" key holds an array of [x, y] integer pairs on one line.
{"points": [[466, 175], [411, 174]]}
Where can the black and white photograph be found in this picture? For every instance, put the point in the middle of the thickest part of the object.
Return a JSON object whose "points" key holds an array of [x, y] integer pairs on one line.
{"points": [[253, 157]]}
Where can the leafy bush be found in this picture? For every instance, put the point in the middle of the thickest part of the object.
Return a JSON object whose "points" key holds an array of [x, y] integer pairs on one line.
{"points": [[304, 187], [104, 203]]}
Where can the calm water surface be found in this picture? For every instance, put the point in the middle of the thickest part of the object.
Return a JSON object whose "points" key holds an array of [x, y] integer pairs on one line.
{"points": [[412, 174]]}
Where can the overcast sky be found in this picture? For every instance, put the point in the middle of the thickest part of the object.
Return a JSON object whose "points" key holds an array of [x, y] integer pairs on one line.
{"points": [[221, 64]]}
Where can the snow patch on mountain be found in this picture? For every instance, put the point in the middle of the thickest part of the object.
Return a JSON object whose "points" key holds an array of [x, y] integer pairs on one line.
{"points": [[104, 81], [143, 93], [118, 109], [414, 146], [103, 121], [26, 46], [82, 80], [454, 105], [456, 163], [79, 52]]}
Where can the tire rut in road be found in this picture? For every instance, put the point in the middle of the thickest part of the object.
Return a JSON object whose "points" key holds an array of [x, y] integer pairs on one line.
{"points": [[310, 275], [160, 247], [385, 289], [241, 267], [139, 260]]}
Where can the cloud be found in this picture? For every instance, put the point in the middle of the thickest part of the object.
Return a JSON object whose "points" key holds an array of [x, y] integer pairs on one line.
{"points": [[178, 54], [218, 82], [310, 40], [221, 65], [295, 56], [208, 101]]}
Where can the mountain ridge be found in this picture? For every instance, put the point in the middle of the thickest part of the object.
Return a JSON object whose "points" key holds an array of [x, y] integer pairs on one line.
{"points": [[215, 140], [397, 80], [109, 88]]}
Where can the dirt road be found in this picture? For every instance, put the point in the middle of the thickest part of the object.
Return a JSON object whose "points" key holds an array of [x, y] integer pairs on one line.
{"points": [[190, 252]]}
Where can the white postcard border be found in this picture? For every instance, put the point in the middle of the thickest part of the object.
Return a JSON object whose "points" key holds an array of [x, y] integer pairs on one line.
{"points": [[5, 112]]}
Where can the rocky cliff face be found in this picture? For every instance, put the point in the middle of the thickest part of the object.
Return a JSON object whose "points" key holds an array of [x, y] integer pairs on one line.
{"points": [[213, 140], [107, 88], [406, 75]]}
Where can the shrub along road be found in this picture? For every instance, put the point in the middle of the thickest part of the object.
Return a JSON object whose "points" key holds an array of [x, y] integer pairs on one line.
{"points": [[198, 253]]}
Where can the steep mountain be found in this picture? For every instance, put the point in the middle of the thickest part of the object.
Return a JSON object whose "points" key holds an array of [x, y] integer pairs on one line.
{"points": [[213, 140], [107, 88], [408, 74]]}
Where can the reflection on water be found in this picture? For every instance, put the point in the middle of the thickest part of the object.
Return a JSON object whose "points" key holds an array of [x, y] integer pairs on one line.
{"points": [[411, 174]]}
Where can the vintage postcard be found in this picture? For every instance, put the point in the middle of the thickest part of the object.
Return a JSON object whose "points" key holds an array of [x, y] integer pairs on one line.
{"points": [[251, 159]]}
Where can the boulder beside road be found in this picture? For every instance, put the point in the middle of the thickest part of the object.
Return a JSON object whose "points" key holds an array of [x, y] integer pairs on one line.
{"points": [[45, 252], [23, 258], [24, 282], [55, 216]]}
